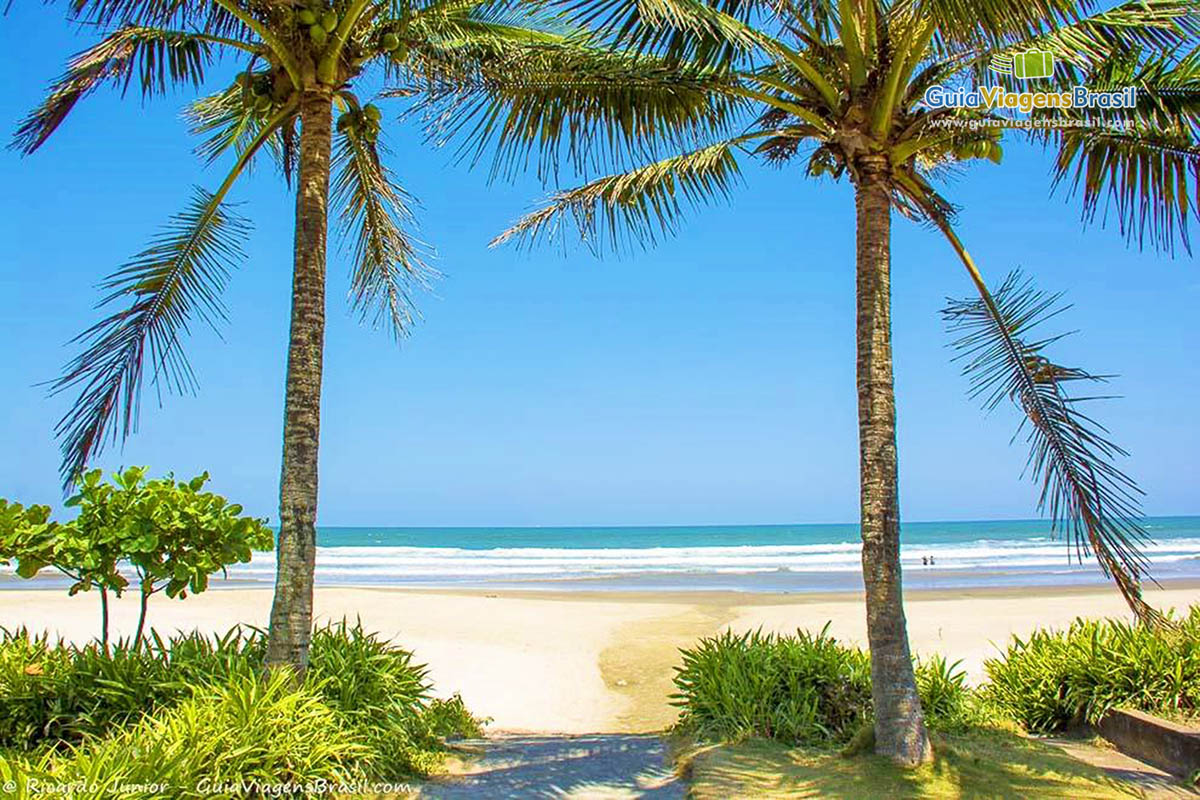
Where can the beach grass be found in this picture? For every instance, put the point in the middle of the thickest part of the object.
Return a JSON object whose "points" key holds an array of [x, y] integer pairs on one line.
{"points": [[989, 763]]}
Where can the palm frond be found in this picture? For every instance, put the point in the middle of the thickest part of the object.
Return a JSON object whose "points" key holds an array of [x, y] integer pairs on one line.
{"points": [[703, 33], [158, 58], [179, 277], [994, 23], [1140, 43], [389, 263], [1132, 28], [205, 17], [1082, 490], [1149, 178], [567, 102], [228, 124], [638, 205]]}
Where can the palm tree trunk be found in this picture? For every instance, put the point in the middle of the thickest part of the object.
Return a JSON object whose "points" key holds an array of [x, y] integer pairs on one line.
{"points": [[291, 612], [899, 723]]}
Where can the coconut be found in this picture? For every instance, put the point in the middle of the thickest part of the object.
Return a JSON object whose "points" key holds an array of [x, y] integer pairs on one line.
{"points": [[318, 34], [306, 17], [390, 41], [329, 20], [373, 113]]}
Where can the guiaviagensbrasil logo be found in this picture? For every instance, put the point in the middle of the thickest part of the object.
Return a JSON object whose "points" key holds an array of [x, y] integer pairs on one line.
{"points": [[1024, 66]]}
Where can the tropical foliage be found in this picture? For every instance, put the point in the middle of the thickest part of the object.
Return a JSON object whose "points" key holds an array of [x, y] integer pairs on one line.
{"points": [[1054, 679], [196, 708], [812, 690], [802, 689], [172, 535]]}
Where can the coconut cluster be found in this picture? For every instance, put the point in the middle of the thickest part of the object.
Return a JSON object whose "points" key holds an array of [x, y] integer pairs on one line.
{"points": [[319, 20], [391, 43], [364, 122], [258, 91]]}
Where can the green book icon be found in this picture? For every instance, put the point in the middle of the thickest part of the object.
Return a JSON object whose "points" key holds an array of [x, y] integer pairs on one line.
{"points": [[1024, 66]]}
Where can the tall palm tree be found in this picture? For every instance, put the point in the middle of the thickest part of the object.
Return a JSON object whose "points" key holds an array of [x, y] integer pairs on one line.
{"points": [[840, 86], [300, 62]]}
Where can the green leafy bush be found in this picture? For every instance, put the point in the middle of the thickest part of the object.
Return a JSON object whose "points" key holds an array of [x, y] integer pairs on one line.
{"points": [[383, 696], [239, 734], [802, 689], [57, 695], [799, 689], [1053, 680], [172, 534], [949, 703]]}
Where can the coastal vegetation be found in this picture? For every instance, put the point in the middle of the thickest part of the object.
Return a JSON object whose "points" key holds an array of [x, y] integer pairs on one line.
{"points": [[170, 534], [515, 71], [810, 689], [838, 90], [1054, 680], [804, 689], [191, 712], [766, 715]]}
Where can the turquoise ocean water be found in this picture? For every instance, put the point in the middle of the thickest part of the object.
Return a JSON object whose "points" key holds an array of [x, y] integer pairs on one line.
{"points": [[737, 557]]}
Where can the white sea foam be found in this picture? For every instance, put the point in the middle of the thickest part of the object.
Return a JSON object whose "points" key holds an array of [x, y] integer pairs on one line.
{"points": [[426, 564]]}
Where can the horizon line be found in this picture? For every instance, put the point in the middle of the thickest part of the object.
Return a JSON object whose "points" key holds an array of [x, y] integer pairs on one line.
{"points": [[592, 526]]}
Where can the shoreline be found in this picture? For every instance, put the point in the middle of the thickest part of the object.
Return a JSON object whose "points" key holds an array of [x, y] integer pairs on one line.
{"points": [[581, 661], [568, 589]]}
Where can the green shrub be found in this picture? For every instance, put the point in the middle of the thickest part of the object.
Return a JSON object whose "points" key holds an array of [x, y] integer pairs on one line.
{"points": [[798, 689], [1056, 679], [382, 694], [58, 696], [363, 676], [803, 689], [949, 703], [450, 719], [53, 694], [245, 732]]}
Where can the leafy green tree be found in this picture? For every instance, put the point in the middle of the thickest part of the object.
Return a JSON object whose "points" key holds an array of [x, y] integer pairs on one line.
{"points": [[532, 85], [172, 534], [86, 550], [175, 536], [839, 87]]}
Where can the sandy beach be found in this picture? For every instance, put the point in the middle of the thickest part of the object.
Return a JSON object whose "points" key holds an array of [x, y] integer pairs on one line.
{"points": [[577, 661]]}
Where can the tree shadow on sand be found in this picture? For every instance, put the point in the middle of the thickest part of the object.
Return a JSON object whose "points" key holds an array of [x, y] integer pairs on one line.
{"points": [[598, 767], [998, 765]]}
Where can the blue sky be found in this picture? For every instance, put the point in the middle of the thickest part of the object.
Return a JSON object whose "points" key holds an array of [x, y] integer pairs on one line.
{"points": [[708, 380]]}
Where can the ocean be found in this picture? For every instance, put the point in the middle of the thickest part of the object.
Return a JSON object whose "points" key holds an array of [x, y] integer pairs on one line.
{"points": [[762, 558]]}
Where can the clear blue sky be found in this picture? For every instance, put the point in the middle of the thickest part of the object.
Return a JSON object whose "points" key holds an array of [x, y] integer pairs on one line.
{"points": [[709, 380]]}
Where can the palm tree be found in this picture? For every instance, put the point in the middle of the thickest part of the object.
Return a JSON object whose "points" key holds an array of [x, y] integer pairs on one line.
{"points": [[299, 63], [841, 86]]}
